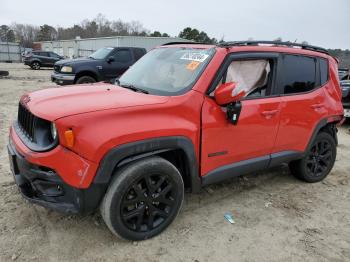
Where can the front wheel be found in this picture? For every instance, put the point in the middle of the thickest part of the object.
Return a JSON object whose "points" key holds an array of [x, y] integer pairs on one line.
{"points": [[143, 198], [35, 65], [318, 160], [85, 80]]}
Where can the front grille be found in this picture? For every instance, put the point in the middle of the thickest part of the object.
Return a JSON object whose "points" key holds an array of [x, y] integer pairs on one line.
{"points": [[26, 121], [57, 68], [346, 96]]}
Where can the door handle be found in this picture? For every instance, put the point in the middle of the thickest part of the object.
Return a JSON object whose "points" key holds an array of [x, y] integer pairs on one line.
{"points": [[317, 106], [270, 113]]}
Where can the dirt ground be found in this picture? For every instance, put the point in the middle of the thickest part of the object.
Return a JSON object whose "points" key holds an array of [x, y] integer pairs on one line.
{"points": [[277, 217]]}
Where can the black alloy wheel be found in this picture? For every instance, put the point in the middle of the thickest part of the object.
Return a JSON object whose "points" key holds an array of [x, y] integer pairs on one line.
{"points": [[36, 65], [148, 203], [318, 160], [143, 198]]}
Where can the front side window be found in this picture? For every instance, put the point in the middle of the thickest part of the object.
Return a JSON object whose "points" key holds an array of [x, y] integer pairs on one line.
{"points": [[54, 55], [168, 71], [101, 53], [299, 74], [40, 53], [252, 76]]}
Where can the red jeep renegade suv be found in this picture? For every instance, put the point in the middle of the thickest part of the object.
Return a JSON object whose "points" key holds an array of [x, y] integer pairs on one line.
{"points": [[183, 116]]}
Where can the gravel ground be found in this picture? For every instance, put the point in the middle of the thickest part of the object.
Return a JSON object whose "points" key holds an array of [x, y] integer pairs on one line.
{"points": [[277, 218]]}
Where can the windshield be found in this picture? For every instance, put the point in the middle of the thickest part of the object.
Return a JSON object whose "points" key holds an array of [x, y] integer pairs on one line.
{"points": [[101, 53], [167, 71]]}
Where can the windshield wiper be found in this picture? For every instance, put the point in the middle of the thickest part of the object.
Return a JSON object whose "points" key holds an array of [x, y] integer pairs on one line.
{"points": [[131, 87]]}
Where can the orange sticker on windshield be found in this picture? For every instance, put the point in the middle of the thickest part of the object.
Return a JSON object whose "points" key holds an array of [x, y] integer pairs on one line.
{"points": [[193, 65]]}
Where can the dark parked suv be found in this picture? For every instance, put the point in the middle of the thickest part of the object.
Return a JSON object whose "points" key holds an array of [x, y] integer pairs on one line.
{"points": [[344, 73], [345, 87], [38, 59], [105, 64]]}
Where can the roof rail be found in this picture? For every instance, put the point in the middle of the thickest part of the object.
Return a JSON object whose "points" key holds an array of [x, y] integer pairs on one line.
{"points": [[276, 43], [183, 43]]}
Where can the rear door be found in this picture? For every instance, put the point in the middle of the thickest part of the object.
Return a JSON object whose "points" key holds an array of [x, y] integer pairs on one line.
{"points": [[303, 101], [252, 138]]}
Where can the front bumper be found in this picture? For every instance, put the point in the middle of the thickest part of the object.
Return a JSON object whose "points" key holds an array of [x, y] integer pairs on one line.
{"points": [[63, 79], [347, 112], [346, 106], [43, 184]]}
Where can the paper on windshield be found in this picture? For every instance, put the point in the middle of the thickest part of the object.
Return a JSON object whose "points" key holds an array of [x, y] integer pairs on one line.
{"points": [[194, 56], [193, 65]]}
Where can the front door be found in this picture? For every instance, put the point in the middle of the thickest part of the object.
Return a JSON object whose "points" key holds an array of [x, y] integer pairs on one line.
{"points": [[53, 58], [122, 61], [253, 137], [45, 58]]}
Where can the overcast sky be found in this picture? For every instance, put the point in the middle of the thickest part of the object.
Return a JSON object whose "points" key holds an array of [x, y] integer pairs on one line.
{"points": [[320, 22]]}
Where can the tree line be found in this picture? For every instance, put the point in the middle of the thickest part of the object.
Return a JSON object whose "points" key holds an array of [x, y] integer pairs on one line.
{"points": [[100, 26]]}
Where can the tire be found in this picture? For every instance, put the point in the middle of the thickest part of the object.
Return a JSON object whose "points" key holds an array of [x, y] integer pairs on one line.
{"points": [[143, 199], [35, 65], [4, 73], [85, 80], [318, 161]]}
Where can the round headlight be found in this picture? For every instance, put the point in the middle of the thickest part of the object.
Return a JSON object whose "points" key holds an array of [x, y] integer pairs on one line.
{"points": [[66, 69], [53, 131]]}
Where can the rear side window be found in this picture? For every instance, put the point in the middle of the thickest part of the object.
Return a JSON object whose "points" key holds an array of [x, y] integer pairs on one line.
{"points": [[123, 56], [299, 74], [138, 53], [323, 71]]}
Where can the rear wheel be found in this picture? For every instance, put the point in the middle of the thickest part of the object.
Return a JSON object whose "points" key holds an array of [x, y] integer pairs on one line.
{"points": [[143, 199], [85, 80], [35, 65], [318, 160]]}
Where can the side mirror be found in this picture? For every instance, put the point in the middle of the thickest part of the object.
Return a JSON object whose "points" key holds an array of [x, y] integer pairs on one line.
{"points": [[110, 59], [225, 94]]}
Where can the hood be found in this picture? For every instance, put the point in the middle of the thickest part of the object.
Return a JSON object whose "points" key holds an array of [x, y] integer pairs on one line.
{"points": [[54, 103], [76, 61]]}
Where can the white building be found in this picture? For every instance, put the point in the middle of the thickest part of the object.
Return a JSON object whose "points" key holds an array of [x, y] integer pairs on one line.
{"points": [[83, 47]]}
